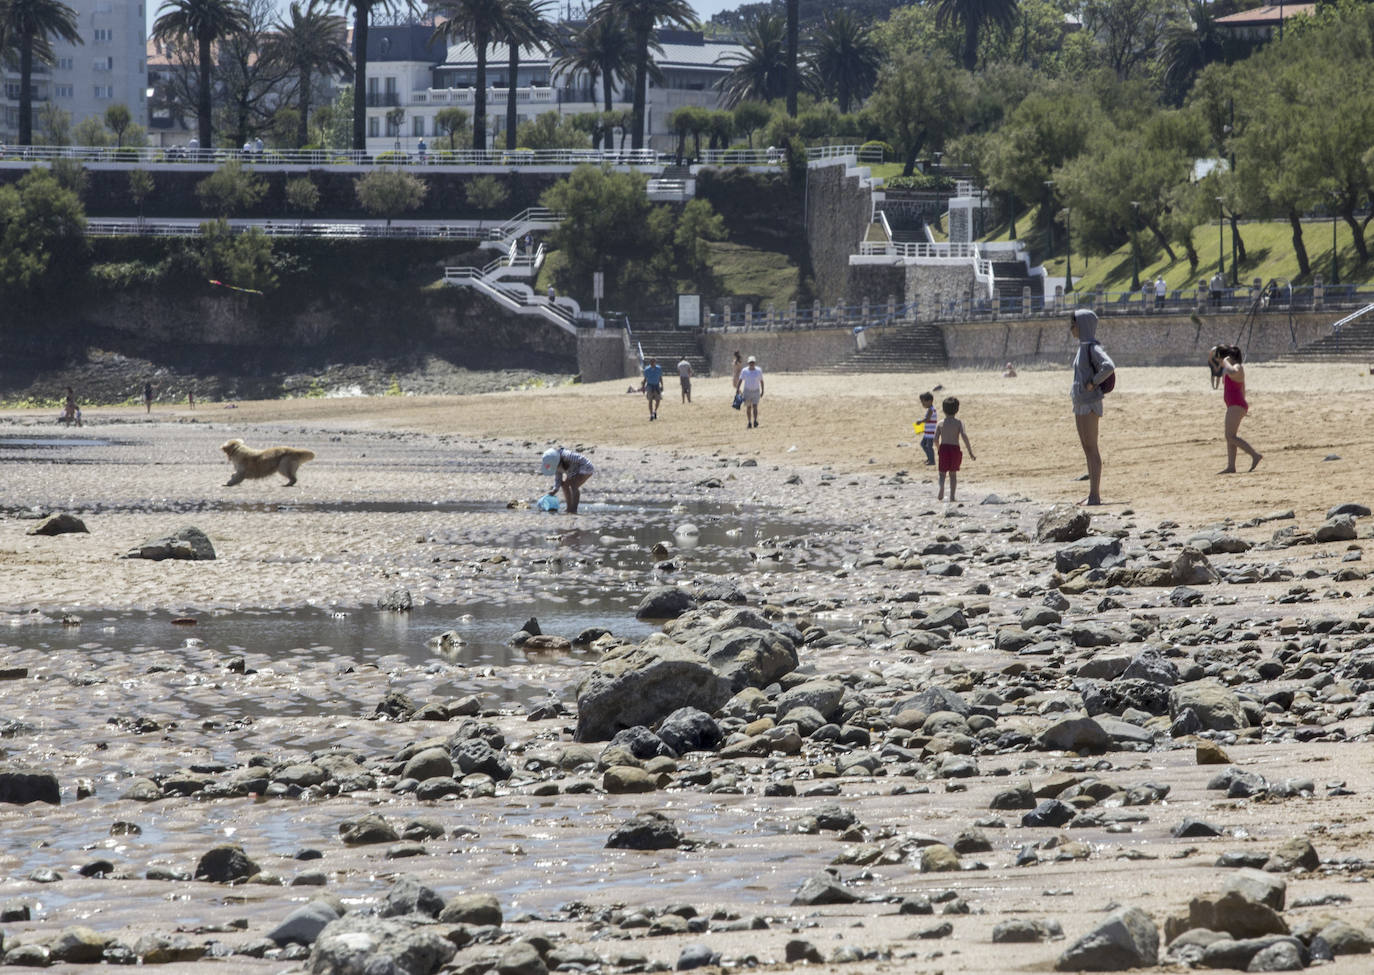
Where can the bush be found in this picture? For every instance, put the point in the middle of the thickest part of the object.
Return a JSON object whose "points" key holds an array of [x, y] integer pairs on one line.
{"points": [[928, 182], [392, 156], [875, 144]]}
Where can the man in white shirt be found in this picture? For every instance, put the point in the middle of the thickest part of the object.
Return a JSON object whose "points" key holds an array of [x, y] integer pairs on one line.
{"points": [[684, 376], [750, 387]]}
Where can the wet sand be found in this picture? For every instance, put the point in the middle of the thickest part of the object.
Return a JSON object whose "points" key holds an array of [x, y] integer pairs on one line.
{"points": [[356, 527]]}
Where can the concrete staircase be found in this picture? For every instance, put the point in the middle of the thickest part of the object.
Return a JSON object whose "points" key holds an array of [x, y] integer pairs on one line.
{"points": [[1354, 342], [899, 348], [670, 347], [1008, 280]]}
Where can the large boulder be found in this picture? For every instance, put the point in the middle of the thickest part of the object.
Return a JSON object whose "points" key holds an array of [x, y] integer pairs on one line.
{"points": [[690, 730], [225, 864], [823, 695], [21, 787], [665, 603], [1337, 528], [360, 944], [60, 524], [1126, 939], [1217, 707], [642, 685], [188, 543], [1062, 523], [1094, 552], [1191, 568]]}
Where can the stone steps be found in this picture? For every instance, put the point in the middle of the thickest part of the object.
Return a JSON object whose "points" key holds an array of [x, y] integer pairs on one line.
{"points": [[669, 347], [903, 348], [1354, 342]]}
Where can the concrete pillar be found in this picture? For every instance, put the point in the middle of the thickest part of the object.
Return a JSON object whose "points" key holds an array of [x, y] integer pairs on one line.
{"points": [[725, 315], [1318, 292], [816, 312], [891, 308], [864, 317], [768, 319], [1025, 301], [1058, 300], [791, 314], [748, 315]]}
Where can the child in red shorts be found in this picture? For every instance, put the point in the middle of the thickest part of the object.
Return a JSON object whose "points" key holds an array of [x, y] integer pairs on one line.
{"points": [[947, 435]]}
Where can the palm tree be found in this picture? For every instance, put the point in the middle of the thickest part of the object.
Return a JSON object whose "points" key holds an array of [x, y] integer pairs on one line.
{"points": [[793, 26], [204, 22], [844, 58], [29, 25], [974, 16], [642, 16], [526, 27], [603, 49], [760, 71], [478, 22], [362, 15], [312, 40], [1191, 44]]}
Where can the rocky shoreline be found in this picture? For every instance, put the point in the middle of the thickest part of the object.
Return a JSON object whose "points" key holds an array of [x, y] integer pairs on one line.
{"points": [[984, 737]]}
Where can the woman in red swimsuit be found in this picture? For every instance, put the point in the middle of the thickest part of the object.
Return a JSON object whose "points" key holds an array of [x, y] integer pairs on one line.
{"points": [[1227, 359]]}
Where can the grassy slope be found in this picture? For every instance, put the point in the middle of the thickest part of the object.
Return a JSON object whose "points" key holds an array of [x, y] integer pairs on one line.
{"points": [[749, 271], [1269, 254]]}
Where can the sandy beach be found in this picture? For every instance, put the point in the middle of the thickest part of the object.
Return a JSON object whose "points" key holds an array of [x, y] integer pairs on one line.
{"points": [[825, 519]]}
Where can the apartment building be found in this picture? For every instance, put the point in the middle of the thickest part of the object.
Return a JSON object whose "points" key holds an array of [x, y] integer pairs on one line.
{"points": [[406, 71], [86, 79]]}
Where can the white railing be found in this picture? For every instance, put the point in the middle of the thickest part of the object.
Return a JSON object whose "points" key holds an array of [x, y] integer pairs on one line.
{"points": [[982, 271], [887, 227], [133, 227], [918, 250], [562, 312], [268, 158]]}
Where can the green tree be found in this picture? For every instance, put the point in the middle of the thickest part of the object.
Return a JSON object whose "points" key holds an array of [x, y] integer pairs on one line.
{"points": [[697, 227], [478, 22], [1129, 32], [551, 130], [390, 192], [974, 17], [230, 189], [749, 118], [1047, 129], [758, 72], [54, 126], [42, 236], [610, 225], [486, 193], [33, 24], [844, 58], [791, 52], [91, 131], [141, 186], [641, 17], [602, 49], [243, 260], [920, 101], [202, 23], [450, 121], [690, 120], [117, 120], [302, 196], [525, 27], [312, 40]]}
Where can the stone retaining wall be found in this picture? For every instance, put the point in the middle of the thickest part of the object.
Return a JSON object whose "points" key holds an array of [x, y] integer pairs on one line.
{"points": [[1172, 340], [784, 351]]}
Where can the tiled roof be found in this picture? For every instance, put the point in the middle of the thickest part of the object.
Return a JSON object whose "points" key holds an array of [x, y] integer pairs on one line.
{"points": [[1270, 14]]}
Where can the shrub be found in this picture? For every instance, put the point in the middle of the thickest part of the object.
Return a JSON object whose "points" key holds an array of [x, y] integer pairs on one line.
{"points": [[928, 182]]}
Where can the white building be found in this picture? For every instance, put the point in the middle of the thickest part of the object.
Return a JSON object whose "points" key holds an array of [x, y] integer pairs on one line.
{"points": [[405, 71], [85, 79]]}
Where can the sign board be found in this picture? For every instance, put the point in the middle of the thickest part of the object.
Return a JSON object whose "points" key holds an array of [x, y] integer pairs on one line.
{"points": [[598, 285], [689, 311]]}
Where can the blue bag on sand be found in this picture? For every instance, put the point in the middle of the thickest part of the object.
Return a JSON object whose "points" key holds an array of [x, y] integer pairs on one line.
{"points": [[739, 401], [548, 503]]}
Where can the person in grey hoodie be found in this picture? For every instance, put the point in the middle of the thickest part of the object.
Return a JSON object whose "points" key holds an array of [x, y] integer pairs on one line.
{"points": [[1091, 365]]}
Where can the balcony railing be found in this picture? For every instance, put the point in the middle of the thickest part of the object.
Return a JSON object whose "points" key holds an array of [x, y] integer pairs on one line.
{"points": [[383, 99]]}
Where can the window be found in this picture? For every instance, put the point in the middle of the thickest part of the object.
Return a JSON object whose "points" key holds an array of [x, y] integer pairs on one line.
{"points": [[103, 35], [103, 64], [62, 91], [417, 125], [104, 91], [64, 64], [373, 127]]}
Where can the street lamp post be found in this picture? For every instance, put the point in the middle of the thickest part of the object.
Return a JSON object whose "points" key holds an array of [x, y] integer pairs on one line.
{"points": [[1068, 253], [1335, 259], [1135, 245], [1049, 201], [1221, 237]]}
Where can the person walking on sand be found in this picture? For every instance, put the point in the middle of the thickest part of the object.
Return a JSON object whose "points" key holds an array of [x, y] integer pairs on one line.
{"points": [[147, 397], [947, 434], [1227, 359], [750, 387], [684, 378], [570, 471], [653, 386], [737, 366], [1091, 367], [928, 427]]}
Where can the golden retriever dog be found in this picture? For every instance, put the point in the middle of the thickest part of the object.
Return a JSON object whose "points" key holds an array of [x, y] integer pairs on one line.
{"points": [[250, 463]]}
